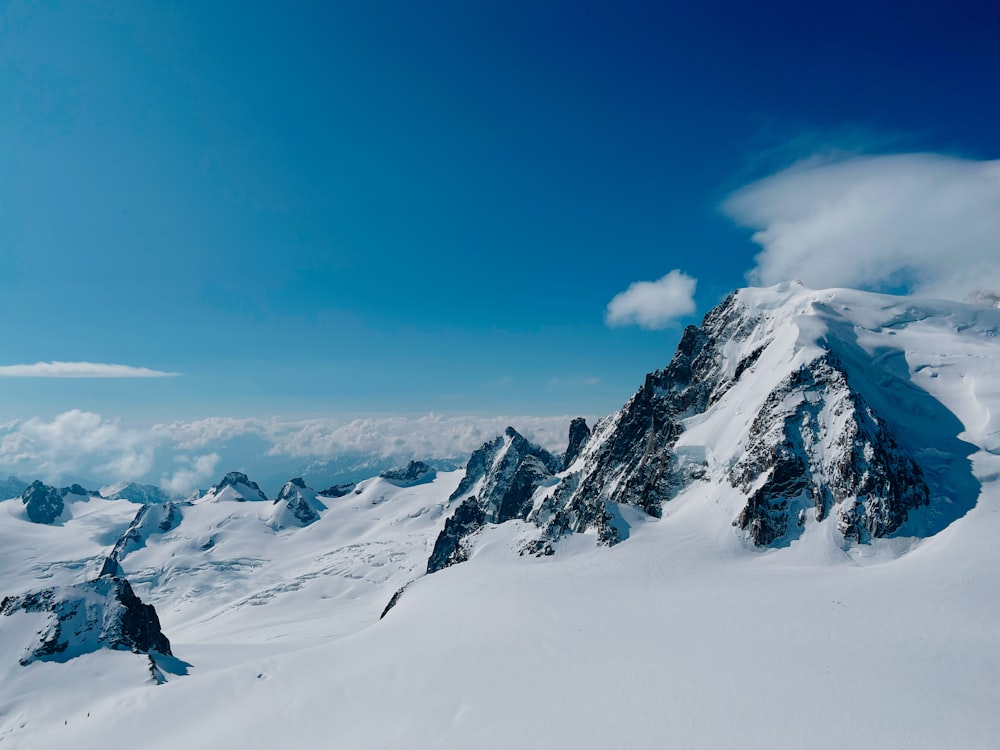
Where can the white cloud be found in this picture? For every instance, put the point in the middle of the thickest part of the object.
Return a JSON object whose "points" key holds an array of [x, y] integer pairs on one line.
{"points": [[181, 456], [199, 433], [428, 436], [74, 442], [80, 370], [653, 304], [191, 474], [924, 222]]}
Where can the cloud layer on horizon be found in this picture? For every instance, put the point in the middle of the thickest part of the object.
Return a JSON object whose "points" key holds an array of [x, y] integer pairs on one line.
{"points": [[80, 370], [182, 456], [926, 223]]}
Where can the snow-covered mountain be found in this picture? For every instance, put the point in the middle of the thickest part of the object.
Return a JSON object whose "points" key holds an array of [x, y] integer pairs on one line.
{"points": [[788, 532], [135, 492], [790, 409], [234, 486]]}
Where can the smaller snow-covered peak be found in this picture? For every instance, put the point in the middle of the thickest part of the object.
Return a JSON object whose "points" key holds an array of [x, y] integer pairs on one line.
{"points": [[134, 492], [293, 488], [235, 486], [499, 485], [491, 466], [295, 505]]}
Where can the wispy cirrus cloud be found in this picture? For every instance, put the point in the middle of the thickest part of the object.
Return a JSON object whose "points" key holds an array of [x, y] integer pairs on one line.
{"points": [[80, 370]]}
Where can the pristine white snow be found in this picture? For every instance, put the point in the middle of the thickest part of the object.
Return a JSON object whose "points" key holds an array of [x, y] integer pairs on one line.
{"points": [[682, 636]]}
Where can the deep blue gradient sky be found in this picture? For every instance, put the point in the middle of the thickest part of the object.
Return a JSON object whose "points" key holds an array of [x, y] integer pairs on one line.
{"points": [[398, 207]]}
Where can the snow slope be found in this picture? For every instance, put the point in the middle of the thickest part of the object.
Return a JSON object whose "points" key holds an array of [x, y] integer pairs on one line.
{"points": [[683, 635]]}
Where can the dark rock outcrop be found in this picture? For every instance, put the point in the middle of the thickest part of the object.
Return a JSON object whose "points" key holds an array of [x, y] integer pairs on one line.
{"points": [[414, 473], [43, 503], [579, 433], [450, 547], [79, 491], [338, 490], [102, 613]]}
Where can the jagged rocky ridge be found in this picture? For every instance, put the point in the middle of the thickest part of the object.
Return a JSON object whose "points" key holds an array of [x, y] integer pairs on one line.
{"points": [[499, 483], [815, 446], [414, 473]]}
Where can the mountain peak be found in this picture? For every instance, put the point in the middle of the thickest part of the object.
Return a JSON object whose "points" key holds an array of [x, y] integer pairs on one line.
{"points": [[790, 408], [237, 486]]}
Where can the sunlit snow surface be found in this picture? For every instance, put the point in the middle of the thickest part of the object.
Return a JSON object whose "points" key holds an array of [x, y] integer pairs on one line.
{"points": [[683, 636]]}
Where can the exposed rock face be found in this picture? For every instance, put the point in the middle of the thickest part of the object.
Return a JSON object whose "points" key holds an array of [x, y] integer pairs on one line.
{"points": [[499, 484], [629, 456], [414, 473], [816, 444], [450, 548], [237, 486], [296, 505], [43, 503], [578, 436], [102, 613], [79, 491]]}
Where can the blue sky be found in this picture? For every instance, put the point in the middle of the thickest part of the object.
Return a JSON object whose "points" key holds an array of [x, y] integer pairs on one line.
{"points": [[351, 208]]}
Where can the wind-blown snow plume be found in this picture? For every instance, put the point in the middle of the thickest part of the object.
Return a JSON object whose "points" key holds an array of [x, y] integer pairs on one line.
{"points": [[926, 222]]}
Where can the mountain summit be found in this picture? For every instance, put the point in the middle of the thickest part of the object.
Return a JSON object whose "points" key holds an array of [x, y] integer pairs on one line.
{"points": [[790, 410]]}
